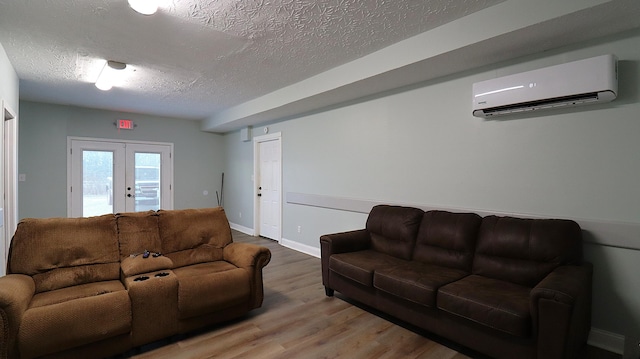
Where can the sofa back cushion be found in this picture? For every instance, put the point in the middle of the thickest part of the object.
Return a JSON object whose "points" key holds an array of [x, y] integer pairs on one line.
{"points": [[137, 232], [524, 251], [447, 239], [63, 252], [192, 236], [393, 229]]}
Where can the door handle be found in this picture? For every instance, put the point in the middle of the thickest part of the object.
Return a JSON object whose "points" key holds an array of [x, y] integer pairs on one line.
{"points": [[130, 195], [259, 189]]}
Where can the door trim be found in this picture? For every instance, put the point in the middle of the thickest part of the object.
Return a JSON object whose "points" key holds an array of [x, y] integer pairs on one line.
{"points": [[277, 136], [9, 169], [70, 139]]}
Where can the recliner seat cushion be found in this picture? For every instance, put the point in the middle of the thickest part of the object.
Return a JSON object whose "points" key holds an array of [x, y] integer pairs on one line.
{"points": [[207, 287], [495, 303], [359, 266], [393, 229], [70, 317], [414, 281]]}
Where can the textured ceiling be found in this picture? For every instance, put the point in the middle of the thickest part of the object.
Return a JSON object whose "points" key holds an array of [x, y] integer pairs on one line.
{"points": [[196, 57], [236, 63]]}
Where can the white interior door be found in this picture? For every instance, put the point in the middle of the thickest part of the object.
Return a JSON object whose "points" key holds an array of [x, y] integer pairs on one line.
{"points": [[112, 177], [269, 191]]}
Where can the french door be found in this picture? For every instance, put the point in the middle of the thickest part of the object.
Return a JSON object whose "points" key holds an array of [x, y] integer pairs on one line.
{"points": [[113, 176]]}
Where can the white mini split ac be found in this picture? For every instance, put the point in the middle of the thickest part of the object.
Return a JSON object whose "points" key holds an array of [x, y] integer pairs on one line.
{"points": [[589, 81]]}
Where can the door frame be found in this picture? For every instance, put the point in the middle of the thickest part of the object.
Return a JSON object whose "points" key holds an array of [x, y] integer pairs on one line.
{"points": [[9, 171], [168, 204], [277, 136]]}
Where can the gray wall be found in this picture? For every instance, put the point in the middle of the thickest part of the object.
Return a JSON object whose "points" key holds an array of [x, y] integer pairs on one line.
{"points": [[198, 158], [422, 146]]}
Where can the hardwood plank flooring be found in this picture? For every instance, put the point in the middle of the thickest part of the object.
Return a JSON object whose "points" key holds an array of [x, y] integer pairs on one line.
{"points": [[297, 320]]}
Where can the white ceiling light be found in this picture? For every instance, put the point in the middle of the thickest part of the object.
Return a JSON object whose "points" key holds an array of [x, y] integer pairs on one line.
{"points": [[145, 7], [110, 74]]}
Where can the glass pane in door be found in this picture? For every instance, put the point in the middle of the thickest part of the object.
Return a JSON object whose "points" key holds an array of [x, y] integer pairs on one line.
{"points": [[97, 183], [147, 181]]}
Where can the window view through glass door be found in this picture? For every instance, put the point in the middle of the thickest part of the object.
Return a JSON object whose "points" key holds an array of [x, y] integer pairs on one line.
{"points": [[118, 177]]}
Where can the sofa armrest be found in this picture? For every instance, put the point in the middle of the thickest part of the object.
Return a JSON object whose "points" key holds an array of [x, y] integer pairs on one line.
{"points": [[16, 291], [343, 242], [561, 311], [253, 258]]}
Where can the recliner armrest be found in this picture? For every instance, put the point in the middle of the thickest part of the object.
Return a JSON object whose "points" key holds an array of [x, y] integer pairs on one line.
{"points": [[245, 255], [16, 291], [561, 310], [252, 258]]}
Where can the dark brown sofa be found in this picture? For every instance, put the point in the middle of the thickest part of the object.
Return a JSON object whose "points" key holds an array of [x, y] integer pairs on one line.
{"points": [[82, 287], [506, 287]]}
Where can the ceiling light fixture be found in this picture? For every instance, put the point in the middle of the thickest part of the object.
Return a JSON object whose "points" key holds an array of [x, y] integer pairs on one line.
{"points": [[109, 74], [145, 7]]}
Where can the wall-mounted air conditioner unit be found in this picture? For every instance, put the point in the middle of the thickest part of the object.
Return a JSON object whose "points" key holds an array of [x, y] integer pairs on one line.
{"points": [[589, 81]]}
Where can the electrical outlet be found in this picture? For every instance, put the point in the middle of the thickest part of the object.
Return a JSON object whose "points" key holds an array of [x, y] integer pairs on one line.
{"points": [[299, 229], [240, 215]]}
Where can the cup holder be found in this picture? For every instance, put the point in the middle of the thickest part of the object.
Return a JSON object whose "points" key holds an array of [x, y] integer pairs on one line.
{"points": [[141, 278], [162, 274]]}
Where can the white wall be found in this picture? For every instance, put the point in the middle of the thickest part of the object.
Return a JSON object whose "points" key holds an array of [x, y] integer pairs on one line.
{"points": [[422, 146]]}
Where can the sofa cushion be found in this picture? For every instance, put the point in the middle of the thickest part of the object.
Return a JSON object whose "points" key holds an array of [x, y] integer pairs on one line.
{"points": [[524, 251], [495, 303], [414, 281], [393, 229], [69, 317], [192, 236], [63, 252], [359, 266], [137, 232], [447, 239], [207, 287]]}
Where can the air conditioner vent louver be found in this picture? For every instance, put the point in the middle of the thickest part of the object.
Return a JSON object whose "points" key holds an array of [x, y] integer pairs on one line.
{"points": [[576, 83]]}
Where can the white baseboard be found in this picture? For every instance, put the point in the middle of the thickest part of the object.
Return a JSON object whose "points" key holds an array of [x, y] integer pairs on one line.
{"points": [[306, 249], [242, 229], [608, 341]]}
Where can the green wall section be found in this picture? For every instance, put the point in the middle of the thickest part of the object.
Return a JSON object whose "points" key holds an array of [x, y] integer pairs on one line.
{"points": [[422, 146], [44, 128]]}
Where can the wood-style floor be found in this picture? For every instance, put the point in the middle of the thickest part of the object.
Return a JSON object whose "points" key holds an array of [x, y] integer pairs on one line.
{"points": [[297, 320]]}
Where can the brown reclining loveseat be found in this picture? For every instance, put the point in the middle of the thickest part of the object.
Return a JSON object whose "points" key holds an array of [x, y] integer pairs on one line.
{"points": [[503, 286], [98, 286]]}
